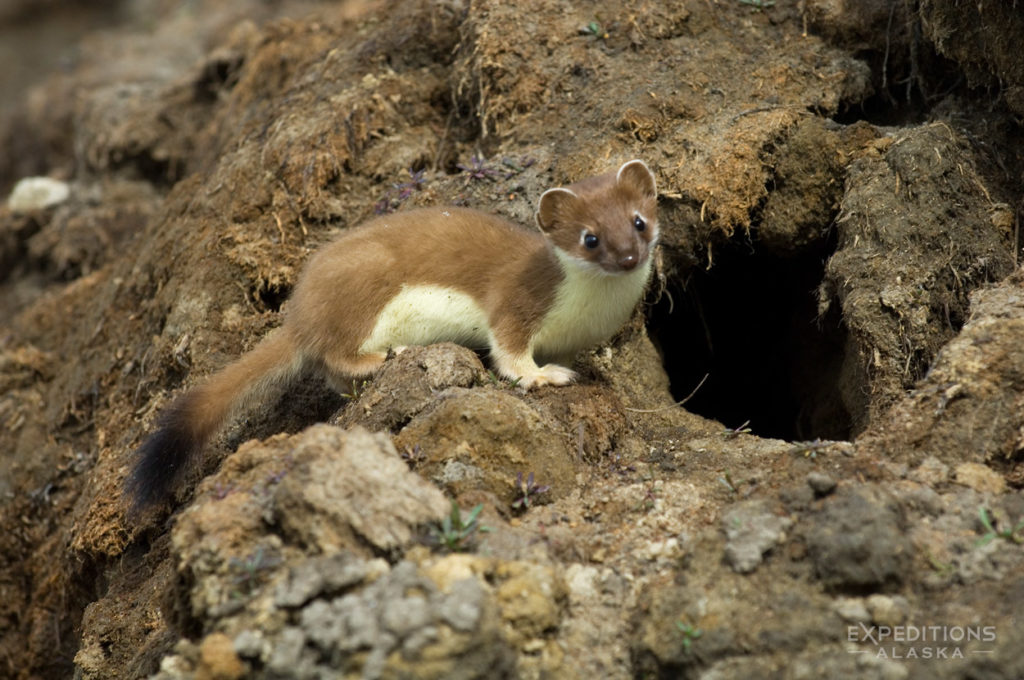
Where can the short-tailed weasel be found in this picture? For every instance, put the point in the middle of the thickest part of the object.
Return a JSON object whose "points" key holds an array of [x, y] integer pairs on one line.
{"points": [[432, 275]]}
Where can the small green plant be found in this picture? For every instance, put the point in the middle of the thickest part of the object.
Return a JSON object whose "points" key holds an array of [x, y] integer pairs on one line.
{"points": [[456, 534], [1014, 534], [516, 166], [357, 390], [758, 5], [728, 483], [733, 432], [526, 489], [594, 29], [690, 633], [498, 381], [942, 568]]}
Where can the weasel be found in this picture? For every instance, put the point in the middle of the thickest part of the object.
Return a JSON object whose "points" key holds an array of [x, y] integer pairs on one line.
{"points": [[432, 275]]}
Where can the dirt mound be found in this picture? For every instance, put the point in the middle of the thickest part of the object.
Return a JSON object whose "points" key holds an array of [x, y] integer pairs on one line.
{"points": [[811, 432]]}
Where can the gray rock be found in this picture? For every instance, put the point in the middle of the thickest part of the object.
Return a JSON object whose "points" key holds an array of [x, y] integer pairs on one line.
{"points": [[304, 582], [322, 625], [287, 652], [462, 607], [419, 639], [359, 620], [752, 530], [347, 487], [930, 471], [37, 193], [888, 611], [821, 483], [319, 575], [856, 541], [852, 609], [404, 615], [250, 644]]}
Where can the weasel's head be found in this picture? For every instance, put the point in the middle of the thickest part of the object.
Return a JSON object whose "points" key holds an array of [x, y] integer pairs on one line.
{"points": [[610, 222]]}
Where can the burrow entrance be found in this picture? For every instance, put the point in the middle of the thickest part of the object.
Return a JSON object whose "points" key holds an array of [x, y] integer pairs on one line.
{"points": [[751, 324]]}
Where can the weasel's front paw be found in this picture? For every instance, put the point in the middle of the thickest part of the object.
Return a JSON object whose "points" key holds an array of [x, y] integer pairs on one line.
{"points": [[551, 374]]}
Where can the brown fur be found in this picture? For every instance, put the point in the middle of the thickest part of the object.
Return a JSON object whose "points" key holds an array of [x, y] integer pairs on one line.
{"points": [[516, 287], [603, 205], [196, 415], [509, 271]]}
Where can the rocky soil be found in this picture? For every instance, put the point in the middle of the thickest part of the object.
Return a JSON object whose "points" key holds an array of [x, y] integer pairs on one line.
{"points": [[802, 458]]}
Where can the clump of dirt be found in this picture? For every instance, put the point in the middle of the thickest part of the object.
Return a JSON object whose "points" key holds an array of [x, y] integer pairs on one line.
{"points": [[979, 37], [968, 408], [411, 383], [693, 507], [903, 286], [806, 186]]}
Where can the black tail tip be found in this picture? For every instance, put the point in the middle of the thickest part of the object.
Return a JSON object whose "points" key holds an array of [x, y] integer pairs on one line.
{"points": [[159, 465]]}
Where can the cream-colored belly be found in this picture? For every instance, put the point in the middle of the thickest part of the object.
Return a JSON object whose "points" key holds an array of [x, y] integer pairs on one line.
{"points": [[422, 314]]}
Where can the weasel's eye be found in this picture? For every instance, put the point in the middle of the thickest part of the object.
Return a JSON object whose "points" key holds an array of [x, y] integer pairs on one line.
{"points": [[639, 224], [591, 241]]}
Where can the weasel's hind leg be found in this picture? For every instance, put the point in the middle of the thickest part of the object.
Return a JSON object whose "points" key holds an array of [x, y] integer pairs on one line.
{"points": [[345, 373]]}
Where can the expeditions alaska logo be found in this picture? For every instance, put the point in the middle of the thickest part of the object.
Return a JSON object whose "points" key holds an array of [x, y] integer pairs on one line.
{"points": [[922, 642]]}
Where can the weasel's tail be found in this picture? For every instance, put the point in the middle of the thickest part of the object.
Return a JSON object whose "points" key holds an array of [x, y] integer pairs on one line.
{"points": [[194, 417]]}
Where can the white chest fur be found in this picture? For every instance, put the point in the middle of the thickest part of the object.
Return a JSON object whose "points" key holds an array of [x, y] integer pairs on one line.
{"points": [[589, 307]]}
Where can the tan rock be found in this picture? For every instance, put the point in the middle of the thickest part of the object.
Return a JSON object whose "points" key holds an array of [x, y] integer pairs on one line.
{"points": [[980, 477], [218, 660]]}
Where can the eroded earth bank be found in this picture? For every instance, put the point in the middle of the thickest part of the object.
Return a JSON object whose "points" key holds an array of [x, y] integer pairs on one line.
{"points": [[802, 458]]}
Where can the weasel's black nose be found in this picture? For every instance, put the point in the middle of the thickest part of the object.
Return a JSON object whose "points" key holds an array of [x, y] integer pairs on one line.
{"points": [[628, 262]]}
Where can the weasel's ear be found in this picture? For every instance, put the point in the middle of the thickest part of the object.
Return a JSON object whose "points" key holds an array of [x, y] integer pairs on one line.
{"points": [[556, 205], [635, 175]]}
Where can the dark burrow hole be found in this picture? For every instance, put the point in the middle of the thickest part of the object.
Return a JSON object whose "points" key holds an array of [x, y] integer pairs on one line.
{"points": [[887, 108], [751, 324]]}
